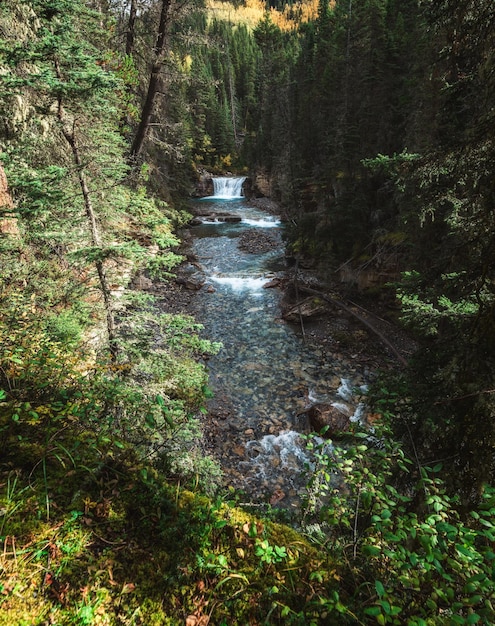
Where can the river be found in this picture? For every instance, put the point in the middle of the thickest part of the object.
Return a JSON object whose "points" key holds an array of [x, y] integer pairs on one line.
{"points": [[265, 375]]}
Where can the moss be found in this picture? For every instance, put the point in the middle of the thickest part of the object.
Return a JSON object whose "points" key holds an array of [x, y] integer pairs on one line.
{"points": [[106, 540], [156, 553]]}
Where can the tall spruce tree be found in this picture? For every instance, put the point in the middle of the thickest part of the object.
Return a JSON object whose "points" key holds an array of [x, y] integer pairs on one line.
{"points": [[351, 96]]}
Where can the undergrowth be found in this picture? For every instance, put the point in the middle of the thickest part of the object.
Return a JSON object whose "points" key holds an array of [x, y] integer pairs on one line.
{"points": [[118, 545]]}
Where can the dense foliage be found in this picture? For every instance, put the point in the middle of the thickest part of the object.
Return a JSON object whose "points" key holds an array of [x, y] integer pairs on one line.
{"points": [[373, 121]]}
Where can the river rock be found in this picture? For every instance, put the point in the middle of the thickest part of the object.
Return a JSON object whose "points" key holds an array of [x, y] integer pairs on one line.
{"points": [[308, 308], [273, 283], [255, 241], [194, 282], [189, 276], [337, 419]]}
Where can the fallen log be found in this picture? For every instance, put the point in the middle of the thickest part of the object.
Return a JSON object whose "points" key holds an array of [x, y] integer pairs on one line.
{"points": [[347, 309]]}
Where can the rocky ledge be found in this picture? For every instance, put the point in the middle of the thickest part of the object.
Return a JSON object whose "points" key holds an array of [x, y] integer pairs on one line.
{"points": [[204, 218]]}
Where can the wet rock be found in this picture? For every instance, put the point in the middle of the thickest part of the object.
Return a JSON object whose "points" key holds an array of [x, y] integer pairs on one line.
{"points": [[277, 495], [194, 282], [239, 450], [336, 419], [189, 276], [215, 217], [250, 366], [274, 283]]}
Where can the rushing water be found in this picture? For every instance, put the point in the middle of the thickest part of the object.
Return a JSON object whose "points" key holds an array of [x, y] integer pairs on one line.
{"points": [[227, 187], [264, 373]]}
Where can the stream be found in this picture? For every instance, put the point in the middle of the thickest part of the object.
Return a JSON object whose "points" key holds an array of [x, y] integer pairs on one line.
{"points": [[265, 375]]}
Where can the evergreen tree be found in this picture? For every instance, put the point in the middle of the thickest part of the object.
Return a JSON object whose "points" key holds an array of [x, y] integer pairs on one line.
{"points": [[448, 206], [354, 91], [274, 147]]}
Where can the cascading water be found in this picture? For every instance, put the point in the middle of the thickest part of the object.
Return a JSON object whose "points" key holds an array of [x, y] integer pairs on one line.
{"points": [[228, 188], [265, 375]]}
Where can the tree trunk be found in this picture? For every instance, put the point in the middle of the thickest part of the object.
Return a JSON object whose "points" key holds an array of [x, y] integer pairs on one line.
{"points": [[131, 25], [159, 53], [71, 139]]}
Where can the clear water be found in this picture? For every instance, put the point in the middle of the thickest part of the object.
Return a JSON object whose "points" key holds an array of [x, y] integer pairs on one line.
{"points": [[264, 371]]}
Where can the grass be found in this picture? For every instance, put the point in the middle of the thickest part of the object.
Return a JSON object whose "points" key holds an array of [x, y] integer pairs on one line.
{"points": [[123, 546]]}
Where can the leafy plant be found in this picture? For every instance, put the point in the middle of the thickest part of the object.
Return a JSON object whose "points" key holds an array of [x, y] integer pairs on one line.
{"points": [[410, 554]]}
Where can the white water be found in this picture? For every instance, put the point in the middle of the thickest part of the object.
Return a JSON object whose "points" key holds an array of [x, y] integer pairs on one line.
{"points": [[287, 447], [228, 188], [239, 284], [267, 223]]}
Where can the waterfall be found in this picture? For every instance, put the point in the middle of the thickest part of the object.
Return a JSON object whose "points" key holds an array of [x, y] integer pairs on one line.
{"points": [[228, 187]]}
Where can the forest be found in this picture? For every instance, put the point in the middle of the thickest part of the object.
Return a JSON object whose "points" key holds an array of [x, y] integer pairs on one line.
{"points": [[372, 125]]}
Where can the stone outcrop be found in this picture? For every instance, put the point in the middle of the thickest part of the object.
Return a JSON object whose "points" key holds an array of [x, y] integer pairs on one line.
{"points": [[309, 308], [189, 277], [204, 185]]}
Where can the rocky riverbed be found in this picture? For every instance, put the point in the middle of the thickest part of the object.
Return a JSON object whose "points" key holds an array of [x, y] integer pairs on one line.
{"points": [[257, 441]]}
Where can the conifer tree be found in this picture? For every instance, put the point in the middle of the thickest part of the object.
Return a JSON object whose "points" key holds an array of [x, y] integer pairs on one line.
{"points": [[448, 204], [159, 51], [69, 90]]}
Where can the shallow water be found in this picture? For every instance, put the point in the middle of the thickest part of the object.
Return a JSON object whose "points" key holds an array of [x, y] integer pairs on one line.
{"points": [[264, 371]]}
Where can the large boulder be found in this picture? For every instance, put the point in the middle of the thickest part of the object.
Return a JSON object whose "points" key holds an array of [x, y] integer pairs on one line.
{"points": [[336, 418], [189, 277]]}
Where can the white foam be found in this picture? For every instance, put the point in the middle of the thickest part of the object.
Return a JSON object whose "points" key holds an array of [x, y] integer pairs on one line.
{"points": [[345, 389], [239, 284], [261, 223], [358, 413], [288, 446], [342, 407]]}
